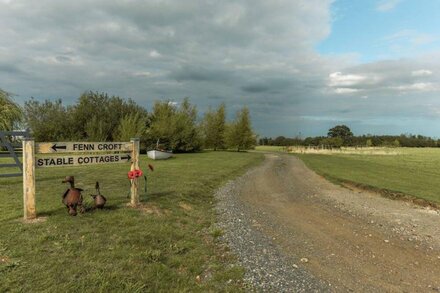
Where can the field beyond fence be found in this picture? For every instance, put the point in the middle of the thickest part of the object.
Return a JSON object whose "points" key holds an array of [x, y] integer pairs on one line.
{"points": [[412, 172], [327, 150]]}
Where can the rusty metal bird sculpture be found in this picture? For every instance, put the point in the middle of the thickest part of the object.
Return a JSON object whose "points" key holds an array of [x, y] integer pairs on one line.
{"points": [[98, 198], [72, 198]]}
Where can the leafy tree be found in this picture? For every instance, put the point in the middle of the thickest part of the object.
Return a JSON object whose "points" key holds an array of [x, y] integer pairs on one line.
{"points": [[313, 141], [369, 142], [265, 141], [97, 115], [341, 131], [214, 128], [131, 125], [97, 129], [162, 124], [281, 141], [336, 142], [175, 128], [239, 134], [48, 120], [403, 140], [186, 136], [10, 112]]}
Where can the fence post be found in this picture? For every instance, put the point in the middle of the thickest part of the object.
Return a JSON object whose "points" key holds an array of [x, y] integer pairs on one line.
{"points": [[134, 201], [29, 179]]}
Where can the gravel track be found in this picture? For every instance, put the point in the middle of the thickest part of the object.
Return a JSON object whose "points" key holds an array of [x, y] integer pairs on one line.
{"points": [[293, 231], [267, 267]]}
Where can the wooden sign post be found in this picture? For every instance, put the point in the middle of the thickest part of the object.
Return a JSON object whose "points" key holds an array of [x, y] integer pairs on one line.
{"points": [[85, 158], [134, 191], [29, 179]]}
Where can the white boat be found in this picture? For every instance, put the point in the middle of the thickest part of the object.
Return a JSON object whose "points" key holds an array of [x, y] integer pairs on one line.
{"points": [[159, 155]]}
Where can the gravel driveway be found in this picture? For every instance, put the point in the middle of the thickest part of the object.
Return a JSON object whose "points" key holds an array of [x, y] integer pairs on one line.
{"points": [[293, 231]]}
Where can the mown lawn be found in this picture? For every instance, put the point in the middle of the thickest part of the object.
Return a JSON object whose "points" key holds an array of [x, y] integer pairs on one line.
{"points": [[414, 172], [166, 246]]}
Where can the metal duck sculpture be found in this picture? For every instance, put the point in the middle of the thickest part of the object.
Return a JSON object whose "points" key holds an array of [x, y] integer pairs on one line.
{"points": [[72, 198], [98, 198]]}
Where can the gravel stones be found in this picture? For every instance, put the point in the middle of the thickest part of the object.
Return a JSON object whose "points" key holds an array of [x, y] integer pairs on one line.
{"points": [[267, 268]]}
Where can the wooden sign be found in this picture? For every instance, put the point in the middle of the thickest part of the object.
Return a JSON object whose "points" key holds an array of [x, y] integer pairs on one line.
{"points": [[76, 147], [30, 161], [81, 160]]}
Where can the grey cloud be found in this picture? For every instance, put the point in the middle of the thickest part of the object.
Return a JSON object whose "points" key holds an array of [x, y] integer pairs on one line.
{"points": [[255, 88], [392, 77], [216, 98], [195, 73], [10, 69], [270, 85], [253, 52]]}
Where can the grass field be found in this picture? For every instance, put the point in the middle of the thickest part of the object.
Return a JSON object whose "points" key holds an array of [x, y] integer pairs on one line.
{"points": [[270, 148], [162, 247], [414, 172]]}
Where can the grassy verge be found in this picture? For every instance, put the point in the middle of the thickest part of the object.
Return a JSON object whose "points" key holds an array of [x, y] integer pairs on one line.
{"points": [[413, 174], [165, 246]]}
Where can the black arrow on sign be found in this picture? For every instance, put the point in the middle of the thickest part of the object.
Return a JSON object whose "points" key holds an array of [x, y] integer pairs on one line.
{"points": [[128, 157], [55, 147]]}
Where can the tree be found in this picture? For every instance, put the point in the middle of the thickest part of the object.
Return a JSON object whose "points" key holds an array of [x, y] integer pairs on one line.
{"points": [[239, 134], [48, 120], [96, 116], [131, 125], [214, 128], [97, 129], [162, 124], [335, 142], [10, 112], [280, 141], [341, 131], [175, 128], [186, 136], [369, 143]]}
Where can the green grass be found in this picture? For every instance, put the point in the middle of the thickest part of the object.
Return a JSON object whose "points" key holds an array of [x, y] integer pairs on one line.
{"points": [[414, 172], [160, 248]]}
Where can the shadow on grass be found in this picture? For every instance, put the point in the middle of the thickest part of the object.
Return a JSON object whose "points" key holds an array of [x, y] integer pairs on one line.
{"points": [[87, 209], [105, 208], [157, 195], [52, 212], [40, 214]]}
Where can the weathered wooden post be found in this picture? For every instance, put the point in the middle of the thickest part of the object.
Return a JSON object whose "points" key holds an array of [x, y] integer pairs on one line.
{"points": [[29, 179], [135, 166]]}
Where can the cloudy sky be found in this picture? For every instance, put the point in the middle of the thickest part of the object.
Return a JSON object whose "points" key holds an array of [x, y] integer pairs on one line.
{"points": [[301, 66]]}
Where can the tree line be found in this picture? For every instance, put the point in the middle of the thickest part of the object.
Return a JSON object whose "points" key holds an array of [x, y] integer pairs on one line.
{"points": [[341, 135], [101, 117]]}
